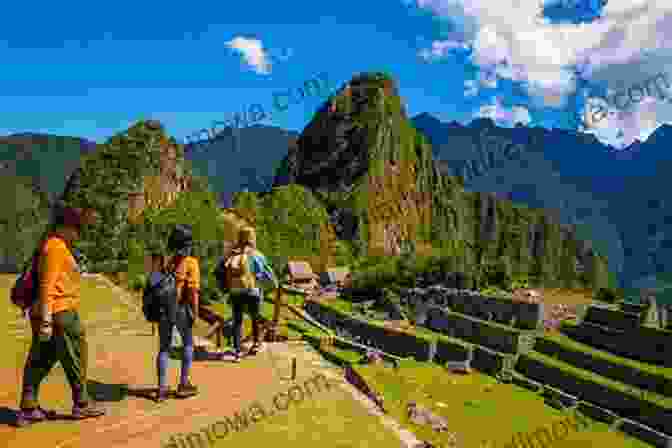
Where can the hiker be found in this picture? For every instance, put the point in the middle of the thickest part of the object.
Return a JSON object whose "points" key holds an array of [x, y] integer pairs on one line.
{"points": [[188, 284], [158, 268], [57, 331], [238, 274]]}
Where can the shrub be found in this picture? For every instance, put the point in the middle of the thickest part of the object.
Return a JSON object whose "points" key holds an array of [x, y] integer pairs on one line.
{"points": [[608, 295], [138, 282]]}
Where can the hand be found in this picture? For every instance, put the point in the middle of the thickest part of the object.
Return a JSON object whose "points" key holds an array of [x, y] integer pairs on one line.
{"points": [[46, 329], [194, 313]]}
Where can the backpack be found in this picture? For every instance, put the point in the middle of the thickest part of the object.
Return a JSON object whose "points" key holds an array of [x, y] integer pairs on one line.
{"points": [[234, 272], [25, 289], [160, 299]]}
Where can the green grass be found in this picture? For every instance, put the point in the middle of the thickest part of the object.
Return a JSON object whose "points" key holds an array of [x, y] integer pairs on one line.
{"points": [[476, 407], [331, 418], [473, 402]]}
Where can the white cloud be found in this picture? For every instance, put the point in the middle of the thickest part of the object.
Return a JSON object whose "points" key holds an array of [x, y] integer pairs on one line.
{"points": [[630, 42], [503, 116], [470, 88], [252, 51], [440, 48]]}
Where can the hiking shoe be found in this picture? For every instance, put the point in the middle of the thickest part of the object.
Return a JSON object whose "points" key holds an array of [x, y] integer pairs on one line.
{"points": [[186, 390], [162, 395], [256, 348], [26, 417], [87, 410]]}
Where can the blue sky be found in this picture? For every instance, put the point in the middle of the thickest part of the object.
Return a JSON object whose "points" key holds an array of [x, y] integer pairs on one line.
{"points": [[89, 70]]}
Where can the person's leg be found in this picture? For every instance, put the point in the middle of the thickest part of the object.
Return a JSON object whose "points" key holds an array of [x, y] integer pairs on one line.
{"points": [[237, 323], [185, 328], [165, 339], [253, 306], [41, 359], [72, 349]]}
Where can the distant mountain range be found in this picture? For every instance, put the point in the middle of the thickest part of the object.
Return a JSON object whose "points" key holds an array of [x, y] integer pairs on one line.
{"points": [[619, 196], [44, 161], [245, 158], [618, 199]]}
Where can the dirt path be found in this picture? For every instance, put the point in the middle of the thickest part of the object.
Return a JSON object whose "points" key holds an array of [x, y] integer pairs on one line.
{"points": [[122, 368]]}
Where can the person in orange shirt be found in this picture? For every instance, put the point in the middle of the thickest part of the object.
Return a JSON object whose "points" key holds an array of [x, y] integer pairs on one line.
{"points": [[57, 332], [188, 284]]}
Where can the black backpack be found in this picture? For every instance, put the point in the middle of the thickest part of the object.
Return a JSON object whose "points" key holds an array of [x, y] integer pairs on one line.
{"points": [[161, 298]]}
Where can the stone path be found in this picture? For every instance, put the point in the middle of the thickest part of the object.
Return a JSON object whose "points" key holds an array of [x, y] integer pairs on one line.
{"points": [[122, 354]]}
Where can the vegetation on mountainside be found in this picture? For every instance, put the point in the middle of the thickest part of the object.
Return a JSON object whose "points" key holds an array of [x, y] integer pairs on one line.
{"points": [[402, 191], [104, 180], [289, 222], [443, 224], [23, 219], [196, 208], [128, 163]]}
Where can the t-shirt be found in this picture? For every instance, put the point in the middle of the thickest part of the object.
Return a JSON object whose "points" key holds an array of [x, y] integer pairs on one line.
{"points": [[258, 265], [60, 279], [188, 273]]}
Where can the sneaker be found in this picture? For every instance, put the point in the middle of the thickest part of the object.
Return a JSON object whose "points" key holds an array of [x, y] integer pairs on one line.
{"points": [[236, 357], [256, 348], [162, 395], [26, 417], [186, 390], [88, 410]]}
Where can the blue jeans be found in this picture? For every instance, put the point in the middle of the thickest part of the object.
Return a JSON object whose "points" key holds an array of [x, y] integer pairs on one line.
{"points": [[184, 325]]}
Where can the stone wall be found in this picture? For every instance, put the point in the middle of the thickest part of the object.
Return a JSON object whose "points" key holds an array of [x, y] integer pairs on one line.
{"points": [[618, 372], [620, 320], [476, 331], [489, 361], [502, 310], [644, 344], [386, 339], [624, 404], [451, 351], [389, 340]]}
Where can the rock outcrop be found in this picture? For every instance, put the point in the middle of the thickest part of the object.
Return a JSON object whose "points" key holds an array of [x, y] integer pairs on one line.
{"points": [[363, 159]]}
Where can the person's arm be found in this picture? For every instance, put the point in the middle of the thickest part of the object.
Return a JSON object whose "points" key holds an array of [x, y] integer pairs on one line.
{"points": [[51, 264], [194, 285], [264, 270]]}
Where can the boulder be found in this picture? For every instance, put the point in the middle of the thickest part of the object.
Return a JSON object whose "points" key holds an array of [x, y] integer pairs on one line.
{"points": [[423, 416]]}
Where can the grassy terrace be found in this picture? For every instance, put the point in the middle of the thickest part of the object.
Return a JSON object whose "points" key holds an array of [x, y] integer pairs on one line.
{"points": [[573, 345], [665, 402], [471, 403]]}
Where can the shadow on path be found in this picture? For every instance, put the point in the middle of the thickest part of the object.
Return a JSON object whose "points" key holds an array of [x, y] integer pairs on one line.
{"points": [[102, 392]]}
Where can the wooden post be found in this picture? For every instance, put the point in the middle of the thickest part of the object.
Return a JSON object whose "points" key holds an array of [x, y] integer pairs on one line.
{"points": [[276, 314], [293, 369]]}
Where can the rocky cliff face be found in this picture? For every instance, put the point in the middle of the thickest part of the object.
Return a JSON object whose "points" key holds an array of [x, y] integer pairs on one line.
{"points": [[376, 176], [149, 166], [132, 170]]}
